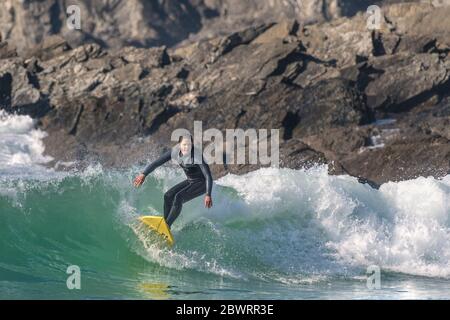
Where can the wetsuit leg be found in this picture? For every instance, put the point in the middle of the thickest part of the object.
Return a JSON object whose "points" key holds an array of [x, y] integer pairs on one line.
{"points": [[169, 196], [191, 191]]}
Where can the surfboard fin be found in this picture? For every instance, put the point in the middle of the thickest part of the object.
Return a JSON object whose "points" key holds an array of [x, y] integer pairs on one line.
{"points": [[160, 226]]}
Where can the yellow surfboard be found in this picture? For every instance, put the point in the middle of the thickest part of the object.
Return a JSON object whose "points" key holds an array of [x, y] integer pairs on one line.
{"points": [[159, 225]]}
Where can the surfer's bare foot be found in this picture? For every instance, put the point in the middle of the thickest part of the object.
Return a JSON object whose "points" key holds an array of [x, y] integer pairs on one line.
{"points": [[208, 202], [139, 180]]}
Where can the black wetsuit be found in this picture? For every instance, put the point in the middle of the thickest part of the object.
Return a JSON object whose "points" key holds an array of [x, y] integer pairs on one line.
{"points": [[199, 181]]}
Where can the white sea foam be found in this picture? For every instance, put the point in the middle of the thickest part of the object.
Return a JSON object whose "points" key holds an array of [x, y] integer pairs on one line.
{"points": [[404, 226], [280, 224], [20, 143]]}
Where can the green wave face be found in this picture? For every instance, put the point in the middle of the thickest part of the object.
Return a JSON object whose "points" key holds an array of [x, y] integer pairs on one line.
{"points": [[275, 233], [51, 225], [90, 220]]}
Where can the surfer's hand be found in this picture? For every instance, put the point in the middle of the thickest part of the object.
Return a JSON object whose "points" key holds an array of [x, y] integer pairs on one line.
{"points": [[139, 180], [208, 202]]}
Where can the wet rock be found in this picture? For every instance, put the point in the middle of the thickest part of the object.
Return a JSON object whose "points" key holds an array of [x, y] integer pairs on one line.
{"points": [[406, 80], [370, 104]]}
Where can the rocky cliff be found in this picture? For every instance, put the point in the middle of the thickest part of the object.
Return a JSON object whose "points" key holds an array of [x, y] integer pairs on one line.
{"points": [[373, 104], [147, 23]]}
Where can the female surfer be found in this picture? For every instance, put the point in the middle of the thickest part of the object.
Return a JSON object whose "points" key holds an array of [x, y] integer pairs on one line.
{"points": [[199, 179]]}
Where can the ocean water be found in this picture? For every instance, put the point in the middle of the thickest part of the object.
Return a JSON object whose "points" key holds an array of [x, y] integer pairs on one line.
{"points": [[272, 234]]}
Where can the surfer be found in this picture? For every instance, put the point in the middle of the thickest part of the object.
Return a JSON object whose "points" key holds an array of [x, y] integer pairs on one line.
{"points": [[199, 180]]}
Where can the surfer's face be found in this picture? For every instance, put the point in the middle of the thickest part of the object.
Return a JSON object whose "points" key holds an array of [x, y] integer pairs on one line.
{"points": [[185, 146]]}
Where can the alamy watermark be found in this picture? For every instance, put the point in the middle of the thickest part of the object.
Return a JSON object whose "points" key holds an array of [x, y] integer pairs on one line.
{"points": [[73, 17], [374, 19], [233, 147], [373, 277], [375, 15], [74, 279]]}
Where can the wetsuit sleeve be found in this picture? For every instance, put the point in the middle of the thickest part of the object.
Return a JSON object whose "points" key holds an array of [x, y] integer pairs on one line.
{"points": [[158, 162], [209, 181]]}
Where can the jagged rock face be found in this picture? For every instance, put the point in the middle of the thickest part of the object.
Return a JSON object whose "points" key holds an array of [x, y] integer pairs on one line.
{"points": [[145, 23], [234, 15], [111, 23], [326, 87]]}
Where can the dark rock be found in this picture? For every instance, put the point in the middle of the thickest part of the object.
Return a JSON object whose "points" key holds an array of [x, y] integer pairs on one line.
{"points": [[51, 47], [406, 80], [6, 51], [327, 104], [322, 85]]}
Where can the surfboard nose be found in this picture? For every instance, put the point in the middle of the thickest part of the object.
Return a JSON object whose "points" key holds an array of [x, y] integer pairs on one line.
{"points": [[159, 225]]}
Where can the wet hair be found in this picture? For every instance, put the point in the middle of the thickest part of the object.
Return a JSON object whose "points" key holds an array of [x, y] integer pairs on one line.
{"points": [[188, 136]]}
